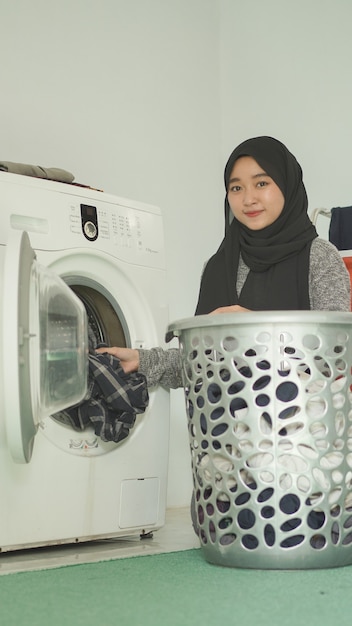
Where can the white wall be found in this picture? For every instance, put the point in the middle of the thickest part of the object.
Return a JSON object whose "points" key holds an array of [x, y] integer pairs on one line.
{"points": [[285, 72], [125, 94], [147, 98]]}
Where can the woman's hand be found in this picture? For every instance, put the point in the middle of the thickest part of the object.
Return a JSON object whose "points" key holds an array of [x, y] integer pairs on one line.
{"points": [[233, 308], [128, 357]]}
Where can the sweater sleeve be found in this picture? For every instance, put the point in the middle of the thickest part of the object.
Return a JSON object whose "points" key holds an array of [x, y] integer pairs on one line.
{"points": [[161, 367], [329, 280]]}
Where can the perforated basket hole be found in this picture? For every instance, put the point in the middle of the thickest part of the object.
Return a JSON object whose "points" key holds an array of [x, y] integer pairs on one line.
{"points": [[227, 539], [331, 460], [316, 519], [214, 393], [293, 463], [335, 510], [231, 484], [261, 383], [348, 522], [318, 542], [236, 387], [265, 444], [347, 540], [348, 502], [289, 412], [265, 495], [250, 542], [316, 407], [223, 502], [348, 480], [337, 477], [291, 429], [342, 337], [340, 365], [321, 478], [267, 512], [209, 509], [334, 495], [266, 424], [307, 451], [338, 384], [242, 367], [238, 408], [286, 391], [225, 374], [241, 430], [212, 531], [246, 519], [222, 463], [263, 337], [338, 400], [285, 481], [315, 499], [247, 479], [257, 350], [293, 353], [303, 484], [230, 344], [263, 364], [312, 342], [266, 477], [246, 445], [292, 541], [322, 366], [318, 429], [208, 341], [315, 386], [262, 400], [217, 413], [284, 368], [303, 371], [289, 503], [340, 423], [338, 444], [335, 533], [193, 355], [260, 459]]}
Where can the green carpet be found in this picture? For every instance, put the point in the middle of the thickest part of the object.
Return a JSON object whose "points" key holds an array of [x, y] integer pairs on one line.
{"points": [[176, 589]]}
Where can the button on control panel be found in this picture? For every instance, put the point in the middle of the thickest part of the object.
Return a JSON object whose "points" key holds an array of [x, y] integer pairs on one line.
{"points": [[89, 221]]}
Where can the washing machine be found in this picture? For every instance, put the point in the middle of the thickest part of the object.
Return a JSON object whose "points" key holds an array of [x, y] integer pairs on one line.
{"points": [[73, 258]]}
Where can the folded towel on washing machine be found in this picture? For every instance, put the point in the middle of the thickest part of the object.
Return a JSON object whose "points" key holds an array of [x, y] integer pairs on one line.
{"points": [[112, 402], [51, 173]]}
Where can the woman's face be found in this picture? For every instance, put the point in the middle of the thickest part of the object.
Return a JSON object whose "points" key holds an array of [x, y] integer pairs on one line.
{"points": [[254, 198]]}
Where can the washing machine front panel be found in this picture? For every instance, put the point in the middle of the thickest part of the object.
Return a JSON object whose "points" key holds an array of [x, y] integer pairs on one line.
{"points": [[85, 492]]}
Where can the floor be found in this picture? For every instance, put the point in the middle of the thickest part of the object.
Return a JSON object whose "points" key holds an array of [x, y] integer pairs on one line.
{"points": [[176, 535]]}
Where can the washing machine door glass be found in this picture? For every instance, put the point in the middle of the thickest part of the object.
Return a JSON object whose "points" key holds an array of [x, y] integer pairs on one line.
{"points": [[45, 345]]}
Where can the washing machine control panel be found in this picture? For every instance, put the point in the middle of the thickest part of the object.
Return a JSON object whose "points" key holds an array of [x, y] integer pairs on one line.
{"points": [[64, 217]]}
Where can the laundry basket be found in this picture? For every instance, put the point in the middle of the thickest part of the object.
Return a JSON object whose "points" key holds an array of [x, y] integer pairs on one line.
{"points": [[270, 427]]}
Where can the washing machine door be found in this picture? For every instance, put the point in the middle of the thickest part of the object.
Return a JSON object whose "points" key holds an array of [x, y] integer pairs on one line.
{"points": [[45, 345]]}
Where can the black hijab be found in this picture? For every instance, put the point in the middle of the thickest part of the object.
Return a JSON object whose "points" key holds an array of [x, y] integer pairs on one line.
{"points": [[277, 255]]}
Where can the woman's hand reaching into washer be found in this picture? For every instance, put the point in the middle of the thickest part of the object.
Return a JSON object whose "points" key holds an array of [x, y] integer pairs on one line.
{"points": [[128, 357]]}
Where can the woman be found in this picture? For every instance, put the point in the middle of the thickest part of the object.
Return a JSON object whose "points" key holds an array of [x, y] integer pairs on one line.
{"points": [[271, 257]]}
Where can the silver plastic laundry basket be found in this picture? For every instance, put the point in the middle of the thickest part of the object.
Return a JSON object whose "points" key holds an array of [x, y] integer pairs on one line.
{"points": [[270, 426]]}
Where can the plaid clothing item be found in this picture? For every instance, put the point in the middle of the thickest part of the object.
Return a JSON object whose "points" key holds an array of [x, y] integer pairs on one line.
{"points": [[112, 401]]}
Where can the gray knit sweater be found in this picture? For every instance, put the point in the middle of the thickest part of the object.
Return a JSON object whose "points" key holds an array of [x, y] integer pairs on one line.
{"points": [[329, 290]]}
